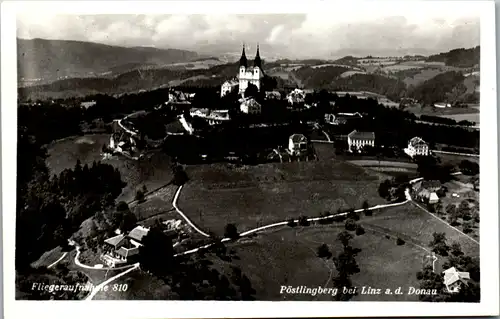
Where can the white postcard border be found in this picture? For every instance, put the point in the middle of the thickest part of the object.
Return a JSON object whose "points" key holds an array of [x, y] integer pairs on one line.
{"points": [[219, 309]]}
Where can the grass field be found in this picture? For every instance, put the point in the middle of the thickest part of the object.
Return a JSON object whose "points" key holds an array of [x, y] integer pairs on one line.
{"points": [[412, 222], [288, 257], [153, 171], [451, 159], [258, 195]]}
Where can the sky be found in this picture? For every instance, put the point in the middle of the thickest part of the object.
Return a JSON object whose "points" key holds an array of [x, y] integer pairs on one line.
{"points": [[366, 30]]}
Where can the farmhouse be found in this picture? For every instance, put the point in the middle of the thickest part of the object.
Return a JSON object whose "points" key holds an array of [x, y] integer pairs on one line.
{"points": [[121, 248], [228, 87], [426, 190], [357, 140], [250, 106], [297, 144], [454, 279], [417, 147]]}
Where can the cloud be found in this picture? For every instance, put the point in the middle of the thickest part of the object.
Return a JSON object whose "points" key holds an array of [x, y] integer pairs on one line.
{"points": [[362, 29]]}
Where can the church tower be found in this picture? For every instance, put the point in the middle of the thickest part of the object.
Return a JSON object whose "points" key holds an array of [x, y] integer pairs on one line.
{"points": [[257, 61], [243, 59]]}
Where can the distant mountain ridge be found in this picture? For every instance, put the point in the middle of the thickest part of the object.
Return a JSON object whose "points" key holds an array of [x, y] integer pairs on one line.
{"points": [[52, 60]]}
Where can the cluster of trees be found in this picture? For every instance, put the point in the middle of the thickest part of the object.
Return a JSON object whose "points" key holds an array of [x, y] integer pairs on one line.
{"points": [[345, 263], [469, 292], [193, 277], [393, 190], [430, 169], [469, 167], [53, 208]]}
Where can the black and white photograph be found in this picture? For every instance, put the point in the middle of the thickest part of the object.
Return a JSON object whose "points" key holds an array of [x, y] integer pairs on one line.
{"points": [[226, 151]]}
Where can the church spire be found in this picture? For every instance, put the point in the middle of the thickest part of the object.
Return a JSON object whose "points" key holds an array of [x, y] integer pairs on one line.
{"points": [[257, 61], [243, 59]]}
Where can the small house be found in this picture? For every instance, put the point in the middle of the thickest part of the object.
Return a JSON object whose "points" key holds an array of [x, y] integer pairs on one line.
{"points": [[120, 248], [454, 279], [228, 87], [250, 106], [297, 144]]}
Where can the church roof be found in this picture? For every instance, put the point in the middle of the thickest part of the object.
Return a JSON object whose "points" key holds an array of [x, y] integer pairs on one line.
{"points": [[243, 59]]}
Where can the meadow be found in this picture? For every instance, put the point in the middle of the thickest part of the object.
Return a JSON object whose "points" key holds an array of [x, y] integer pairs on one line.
{"points": [[263, 194], [287, 257]]}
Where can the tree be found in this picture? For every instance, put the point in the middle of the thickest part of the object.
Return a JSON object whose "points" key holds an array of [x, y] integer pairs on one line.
{"points": [[230, 231], [139, 195], [180, 176], [383, 189], [438, 244], [365, 208], [456, 249], [252, 90], [303, 221], [291, 222], [360, 230], [430, 280], [350, 224], [144, 189], [344, 237], [324, 252], [156, 253], [464, 210], [400, 242]]}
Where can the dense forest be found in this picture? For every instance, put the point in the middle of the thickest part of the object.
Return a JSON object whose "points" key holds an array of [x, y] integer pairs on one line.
{"points": [[461, 58]]}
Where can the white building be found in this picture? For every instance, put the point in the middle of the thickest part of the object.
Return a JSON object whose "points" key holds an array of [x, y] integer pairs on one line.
{"points": [[417, 147], [228, 87], [442, 105], [250, 106], [454, 279], [357, 140], [297, 144], [296, 96], [248, 74]]}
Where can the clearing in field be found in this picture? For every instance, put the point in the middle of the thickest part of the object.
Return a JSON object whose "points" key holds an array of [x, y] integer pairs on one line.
{"points": [[258, 195]]}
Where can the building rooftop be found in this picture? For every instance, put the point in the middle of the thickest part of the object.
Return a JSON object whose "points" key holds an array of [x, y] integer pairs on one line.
{"points": [[452, 275], [431, 184], [115, 241], [362, 135], [298, 138], [417, 141], [138, 233]]}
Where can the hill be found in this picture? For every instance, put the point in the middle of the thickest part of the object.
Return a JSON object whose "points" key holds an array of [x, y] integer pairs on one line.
{"points": [[41, 61], [462, 58]]}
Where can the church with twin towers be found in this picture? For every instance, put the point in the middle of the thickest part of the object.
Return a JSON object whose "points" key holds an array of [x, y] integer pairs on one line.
{"points": [[247, 73]]}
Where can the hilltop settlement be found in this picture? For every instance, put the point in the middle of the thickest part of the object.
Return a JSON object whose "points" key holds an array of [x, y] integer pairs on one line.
{"points": [[226, 181]]}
